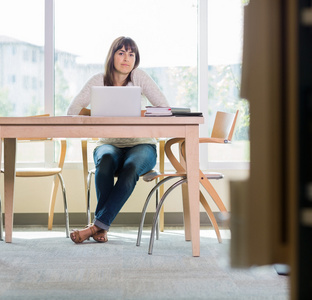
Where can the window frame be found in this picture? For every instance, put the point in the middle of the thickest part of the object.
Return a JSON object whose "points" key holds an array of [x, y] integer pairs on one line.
{"points": [[49, 70]]}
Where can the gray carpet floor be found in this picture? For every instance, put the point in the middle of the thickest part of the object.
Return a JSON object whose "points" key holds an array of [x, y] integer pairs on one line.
{"points": [[41, 264]]}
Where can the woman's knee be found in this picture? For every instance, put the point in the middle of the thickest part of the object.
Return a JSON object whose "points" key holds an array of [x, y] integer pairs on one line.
{"points": [[106, 154], [130, 170], [142, 158], [105, 165], [106, 159]]}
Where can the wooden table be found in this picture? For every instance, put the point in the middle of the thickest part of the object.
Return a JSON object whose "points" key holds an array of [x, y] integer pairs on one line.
{"points": [[12, 128]]}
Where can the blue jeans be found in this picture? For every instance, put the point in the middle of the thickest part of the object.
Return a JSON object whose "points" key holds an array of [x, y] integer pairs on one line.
{"points": [[128, 164]]}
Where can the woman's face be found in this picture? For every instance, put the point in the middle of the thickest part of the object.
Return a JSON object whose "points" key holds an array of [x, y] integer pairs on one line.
{"points": [[124, 61]]}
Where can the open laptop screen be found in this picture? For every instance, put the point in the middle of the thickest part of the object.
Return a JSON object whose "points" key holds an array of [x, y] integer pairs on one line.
{"points": [[116, 101]]}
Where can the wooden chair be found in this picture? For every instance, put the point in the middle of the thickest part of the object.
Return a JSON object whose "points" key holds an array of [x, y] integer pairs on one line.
{"points": [[44, 172], [222, 133]]}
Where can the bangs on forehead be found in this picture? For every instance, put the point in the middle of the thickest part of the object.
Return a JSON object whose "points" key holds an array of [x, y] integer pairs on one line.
{"points": [[128, 44]]}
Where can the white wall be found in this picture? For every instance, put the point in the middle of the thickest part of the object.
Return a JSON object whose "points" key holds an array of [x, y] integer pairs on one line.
{"points": [[32, 195]]}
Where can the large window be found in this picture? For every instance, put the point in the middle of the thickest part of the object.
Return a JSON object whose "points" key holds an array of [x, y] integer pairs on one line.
{"points": [[168, 33], [159, 31], [21, 53], [22, 64], [225, 40]]}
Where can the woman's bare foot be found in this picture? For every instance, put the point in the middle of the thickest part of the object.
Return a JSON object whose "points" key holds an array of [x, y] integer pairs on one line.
{"points": [[78, 236], [100, 236]]}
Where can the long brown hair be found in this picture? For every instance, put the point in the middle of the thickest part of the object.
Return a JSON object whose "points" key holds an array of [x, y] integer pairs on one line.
{"points": [[117, 44]]}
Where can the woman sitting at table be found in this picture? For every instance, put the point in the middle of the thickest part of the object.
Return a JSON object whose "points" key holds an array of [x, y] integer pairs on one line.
{"points": [[127, 157]]}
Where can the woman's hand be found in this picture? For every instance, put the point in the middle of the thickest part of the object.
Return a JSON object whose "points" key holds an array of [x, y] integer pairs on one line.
{"points": [[85, 112]]}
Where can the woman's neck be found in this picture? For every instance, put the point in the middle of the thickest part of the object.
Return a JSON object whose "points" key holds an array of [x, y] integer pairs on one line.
{"points": [[119, 79]]}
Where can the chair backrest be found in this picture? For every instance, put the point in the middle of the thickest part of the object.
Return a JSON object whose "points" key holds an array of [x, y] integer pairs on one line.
{"points": [[222, 132], [224, 125]]}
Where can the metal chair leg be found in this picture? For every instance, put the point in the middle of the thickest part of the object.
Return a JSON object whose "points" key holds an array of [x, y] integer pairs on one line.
{"points": [[157, 225], [89, 197], [65, 204], [154, 189], [162, 200]]}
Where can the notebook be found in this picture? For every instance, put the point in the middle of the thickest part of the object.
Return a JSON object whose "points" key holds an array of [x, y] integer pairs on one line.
{"points": [[116, 101]]}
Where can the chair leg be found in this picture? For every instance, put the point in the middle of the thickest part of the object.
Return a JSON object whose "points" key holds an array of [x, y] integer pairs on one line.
{"points": [[154, 189], [52, 202], [213, 193], [211, 216], [162, 200], [65, 204], [203, 202], [1, 221], [89, 197], [157, 222]]}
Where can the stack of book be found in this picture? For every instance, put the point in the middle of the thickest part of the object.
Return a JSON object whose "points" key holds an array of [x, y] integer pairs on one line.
{"points": [[157, 111]]}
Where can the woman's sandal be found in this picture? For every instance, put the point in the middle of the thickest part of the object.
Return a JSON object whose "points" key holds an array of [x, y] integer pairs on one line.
{"points": [[100, 235], [76, 238]]}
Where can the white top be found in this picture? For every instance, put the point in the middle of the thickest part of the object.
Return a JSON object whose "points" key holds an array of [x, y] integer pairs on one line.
{"points": [[138, 78]]}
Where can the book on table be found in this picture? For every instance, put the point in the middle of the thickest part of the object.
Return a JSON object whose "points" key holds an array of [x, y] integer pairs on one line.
{"points": [[157, 111], [160, 111], [184, 112]]}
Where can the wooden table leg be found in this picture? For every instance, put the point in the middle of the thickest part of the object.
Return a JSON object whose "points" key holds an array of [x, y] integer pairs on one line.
{"points": [[1, 221], [9, 178], [186, 212], [185, 202], [192, 169]]}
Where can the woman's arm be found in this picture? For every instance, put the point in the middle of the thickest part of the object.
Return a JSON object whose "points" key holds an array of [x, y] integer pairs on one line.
{"points": [[149, 88], [80, 103]]}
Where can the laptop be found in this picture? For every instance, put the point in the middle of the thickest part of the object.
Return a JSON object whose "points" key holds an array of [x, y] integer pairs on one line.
{"points": [[116, 101]]}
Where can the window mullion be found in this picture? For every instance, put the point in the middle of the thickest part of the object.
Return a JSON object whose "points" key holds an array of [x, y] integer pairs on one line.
{"points": [[49, 71], [203, 75]]}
